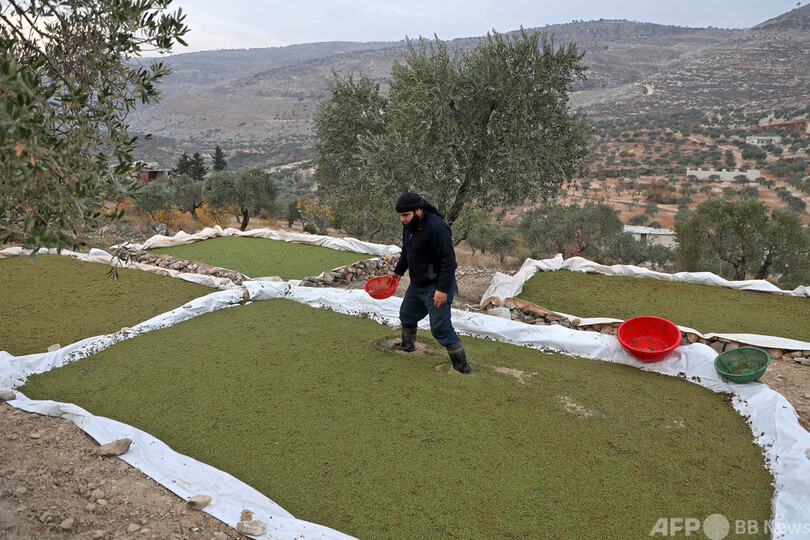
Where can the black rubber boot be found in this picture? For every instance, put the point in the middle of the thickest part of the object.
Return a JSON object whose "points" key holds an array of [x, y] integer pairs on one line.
{"points": [[408, 340], [459, 357]]}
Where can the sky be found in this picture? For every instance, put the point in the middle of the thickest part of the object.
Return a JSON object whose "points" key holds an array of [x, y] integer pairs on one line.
{"points": [[241, 24]]}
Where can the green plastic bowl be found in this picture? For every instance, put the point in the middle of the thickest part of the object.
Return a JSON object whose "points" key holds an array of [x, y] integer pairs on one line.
{"points": [[743, 364]]}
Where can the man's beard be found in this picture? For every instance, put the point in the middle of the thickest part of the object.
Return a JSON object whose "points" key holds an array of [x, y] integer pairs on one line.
{"points": [[413, 225]]}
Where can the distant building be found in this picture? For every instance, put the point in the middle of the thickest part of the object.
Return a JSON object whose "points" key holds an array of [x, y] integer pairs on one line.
{"points": [[723, 175], [661, 237], [151, 171], [763, 140]]}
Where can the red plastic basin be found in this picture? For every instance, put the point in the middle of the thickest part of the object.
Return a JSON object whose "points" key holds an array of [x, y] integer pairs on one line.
{"points": [[381, 286], [650, 339]]}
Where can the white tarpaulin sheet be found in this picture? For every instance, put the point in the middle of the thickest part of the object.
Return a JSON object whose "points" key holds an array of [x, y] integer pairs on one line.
{"points": [[504, 286], [773, 420], [344, 244]]}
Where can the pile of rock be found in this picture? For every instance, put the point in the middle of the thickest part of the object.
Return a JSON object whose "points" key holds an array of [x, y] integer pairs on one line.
{"points": [[523, 311], [182, 265], [359, 271]]}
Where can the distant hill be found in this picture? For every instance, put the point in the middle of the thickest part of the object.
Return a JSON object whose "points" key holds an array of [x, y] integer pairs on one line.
{"points": [[767, 66], [258, 103]]}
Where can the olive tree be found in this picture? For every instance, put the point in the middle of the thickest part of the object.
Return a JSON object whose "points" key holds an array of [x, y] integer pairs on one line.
{"points": [[571, 230], [248, 190], [485, 126], [741, 234], [68, 78]]}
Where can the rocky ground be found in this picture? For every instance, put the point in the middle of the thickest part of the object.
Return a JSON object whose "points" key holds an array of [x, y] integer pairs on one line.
{"points": [[54, 485]]}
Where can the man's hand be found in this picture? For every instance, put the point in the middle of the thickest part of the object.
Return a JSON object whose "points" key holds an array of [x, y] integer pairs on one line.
{"points": [[439, 298]]}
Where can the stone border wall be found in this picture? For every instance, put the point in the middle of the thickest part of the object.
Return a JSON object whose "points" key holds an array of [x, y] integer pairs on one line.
{"points": [[526, 312], [182, 265], [359, 271]]}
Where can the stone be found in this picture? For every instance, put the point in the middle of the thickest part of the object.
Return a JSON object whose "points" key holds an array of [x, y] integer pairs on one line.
{"points": [[35, 435], [551, 317], [90, 507], [246, 515], [731, 345], [499, 312], [529, 319], [97, 535], [54, 347], [115, 448], [717, 346], [606, 329], [133, 527], [20, 491], [67, 524], [7, 395], [692, 337], [576, 321], [786, 357], [775, 353], [219, 535], [253, 527], [198, 502], [796, 354], [97, 494], [806, 362]]}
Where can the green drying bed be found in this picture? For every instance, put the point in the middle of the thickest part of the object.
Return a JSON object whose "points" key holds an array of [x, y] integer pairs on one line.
{"points": [[57, 299], [705, 308], [260, 257], [305, 405]]}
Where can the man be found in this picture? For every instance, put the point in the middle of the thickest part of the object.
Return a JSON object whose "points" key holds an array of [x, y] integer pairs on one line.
{"points": [[427, 253]]}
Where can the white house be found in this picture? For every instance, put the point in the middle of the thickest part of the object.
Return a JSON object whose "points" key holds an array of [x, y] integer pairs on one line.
{"points": [[763, 140], [661, 237]]}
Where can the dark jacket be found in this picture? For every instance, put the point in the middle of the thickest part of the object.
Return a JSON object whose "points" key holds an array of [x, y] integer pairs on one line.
{"points": [[428, 253]]}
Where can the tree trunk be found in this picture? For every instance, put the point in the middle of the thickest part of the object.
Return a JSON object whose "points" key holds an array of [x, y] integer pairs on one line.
{"points": [[739, 271], [375, 231], [245, 218], [194, 212], [460, 240], [765, 271]]}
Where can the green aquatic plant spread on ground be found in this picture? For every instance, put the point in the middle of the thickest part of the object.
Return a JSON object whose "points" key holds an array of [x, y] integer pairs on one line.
{"points": [[304, 405], [261, 257], [57, 299], [706, 308]]}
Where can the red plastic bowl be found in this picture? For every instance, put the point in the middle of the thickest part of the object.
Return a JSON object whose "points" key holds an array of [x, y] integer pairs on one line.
{"points": [[381, 286], [650, 339]]}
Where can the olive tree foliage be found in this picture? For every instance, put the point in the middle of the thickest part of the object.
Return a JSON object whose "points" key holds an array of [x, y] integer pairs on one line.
{"points": [[68, 78], [248, 190], [480, 127], [354, 111], [571, 230], [187, 194], [741, 234]]}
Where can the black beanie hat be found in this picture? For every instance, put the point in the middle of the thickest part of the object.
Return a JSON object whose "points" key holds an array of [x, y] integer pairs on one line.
{"points": [[408, 202]]}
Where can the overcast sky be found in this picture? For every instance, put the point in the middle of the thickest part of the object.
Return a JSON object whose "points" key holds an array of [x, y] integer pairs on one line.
{"points": [[238, 24]]}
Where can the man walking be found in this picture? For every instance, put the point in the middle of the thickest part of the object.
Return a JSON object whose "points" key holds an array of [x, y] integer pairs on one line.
{"points": [[427, 253]]}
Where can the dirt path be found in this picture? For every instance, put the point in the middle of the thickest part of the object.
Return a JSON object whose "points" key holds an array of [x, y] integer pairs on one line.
{"points": [[53, 486]]}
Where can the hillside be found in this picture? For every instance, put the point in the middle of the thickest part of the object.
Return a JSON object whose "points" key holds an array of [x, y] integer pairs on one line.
{"points": [[258, 101], [258, 104], [767, 66]]}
